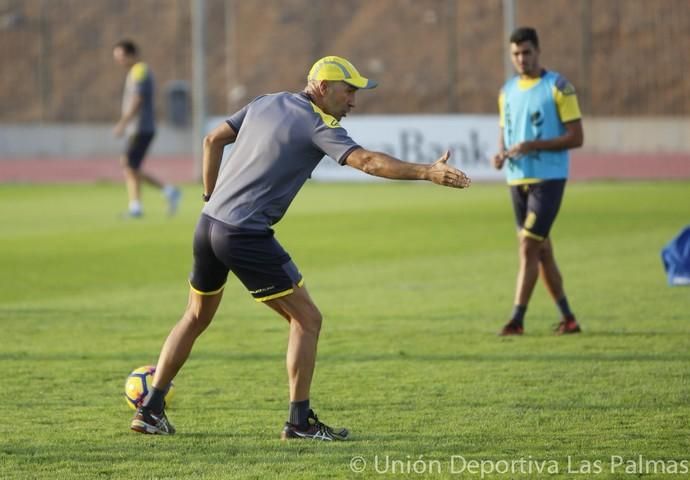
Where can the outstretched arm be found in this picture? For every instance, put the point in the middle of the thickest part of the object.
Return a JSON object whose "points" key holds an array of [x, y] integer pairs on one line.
{"points": [[214, 143], [383, 165]]}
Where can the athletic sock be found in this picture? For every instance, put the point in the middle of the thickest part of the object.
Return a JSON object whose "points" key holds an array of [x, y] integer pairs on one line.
{"points": [[169, 190], [299, 413], [135, 207], [156, 400], [518, 315], [565, 308]]}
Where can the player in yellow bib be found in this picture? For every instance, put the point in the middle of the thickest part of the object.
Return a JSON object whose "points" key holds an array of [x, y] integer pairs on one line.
{"points": [[540, 122]]}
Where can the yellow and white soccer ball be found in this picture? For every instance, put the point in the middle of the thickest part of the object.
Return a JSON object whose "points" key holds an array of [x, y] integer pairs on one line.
{"points": [[138, 385]]}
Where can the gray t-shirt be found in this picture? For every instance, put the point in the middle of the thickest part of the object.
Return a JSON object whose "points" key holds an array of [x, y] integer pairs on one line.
{"points": [[140, 82], [280, 139]]}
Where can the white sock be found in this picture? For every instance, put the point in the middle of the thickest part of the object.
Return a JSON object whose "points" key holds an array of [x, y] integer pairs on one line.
{"points": [[135, 206], [169, 190]]}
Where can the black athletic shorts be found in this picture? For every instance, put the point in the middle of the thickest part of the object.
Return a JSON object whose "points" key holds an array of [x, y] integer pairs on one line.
{"points": [[536, 206], [255, 257], [137, 147]]}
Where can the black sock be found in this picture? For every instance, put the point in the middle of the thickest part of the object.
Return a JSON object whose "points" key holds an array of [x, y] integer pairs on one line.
{"points": [[565, 308], [299, 413], [518, 315], [156, 400]]}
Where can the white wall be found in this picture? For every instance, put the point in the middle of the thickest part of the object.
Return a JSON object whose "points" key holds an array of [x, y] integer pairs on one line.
{"points": [[399, 134], [471, 140], [637, 135], [77, 141]]}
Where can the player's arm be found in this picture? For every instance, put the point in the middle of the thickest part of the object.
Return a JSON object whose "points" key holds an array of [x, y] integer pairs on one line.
{"points": [[572, 138], [214, 143], [383, 165], [499, 159], [128, 114]]}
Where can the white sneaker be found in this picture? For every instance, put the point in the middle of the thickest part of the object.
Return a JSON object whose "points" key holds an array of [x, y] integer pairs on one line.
{"points": [[174, 196]]}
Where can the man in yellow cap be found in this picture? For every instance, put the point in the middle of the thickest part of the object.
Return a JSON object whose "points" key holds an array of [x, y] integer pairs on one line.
{"points": [[278, 140]]}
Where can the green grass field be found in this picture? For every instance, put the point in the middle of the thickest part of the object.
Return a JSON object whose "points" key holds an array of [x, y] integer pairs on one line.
{"points": [[413, 280]]}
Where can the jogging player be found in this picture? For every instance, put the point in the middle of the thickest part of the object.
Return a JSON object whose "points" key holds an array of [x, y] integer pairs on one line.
{"points": [[278, 140], [540, 121], [139, 123]]}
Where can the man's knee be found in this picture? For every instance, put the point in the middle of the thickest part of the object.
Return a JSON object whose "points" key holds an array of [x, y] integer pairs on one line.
{"points": [[530, 247], [545, 252], [197, 320], [130, 172], [309, 319], [201, 310]]}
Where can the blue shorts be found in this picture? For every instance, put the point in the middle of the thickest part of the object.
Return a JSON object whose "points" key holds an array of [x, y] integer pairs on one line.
{"points": [[255, 257], [137, 146], [536, 206]]}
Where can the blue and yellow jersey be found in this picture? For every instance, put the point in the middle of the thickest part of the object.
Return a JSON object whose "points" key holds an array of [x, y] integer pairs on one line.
{"points": [[534, 109], [140, 83]]}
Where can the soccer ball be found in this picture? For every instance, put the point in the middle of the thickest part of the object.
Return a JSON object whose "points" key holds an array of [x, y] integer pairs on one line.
{"points": [[138, 386]]}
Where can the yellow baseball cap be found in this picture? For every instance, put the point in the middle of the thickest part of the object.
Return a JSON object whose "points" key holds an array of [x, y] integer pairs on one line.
{"points": [[338, 68]]}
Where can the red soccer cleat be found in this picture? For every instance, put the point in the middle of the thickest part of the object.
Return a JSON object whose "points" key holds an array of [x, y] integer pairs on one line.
{"points": [[567, 326], [511, 328]]}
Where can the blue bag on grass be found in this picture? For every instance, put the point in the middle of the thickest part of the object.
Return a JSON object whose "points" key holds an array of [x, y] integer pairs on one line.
{"points": [[676, 258]]}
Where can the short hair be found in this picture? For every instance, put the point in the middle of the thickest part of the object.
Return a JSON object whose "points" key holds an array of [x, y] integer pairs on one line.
{"points": [[525, 34], [129, 47]]}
